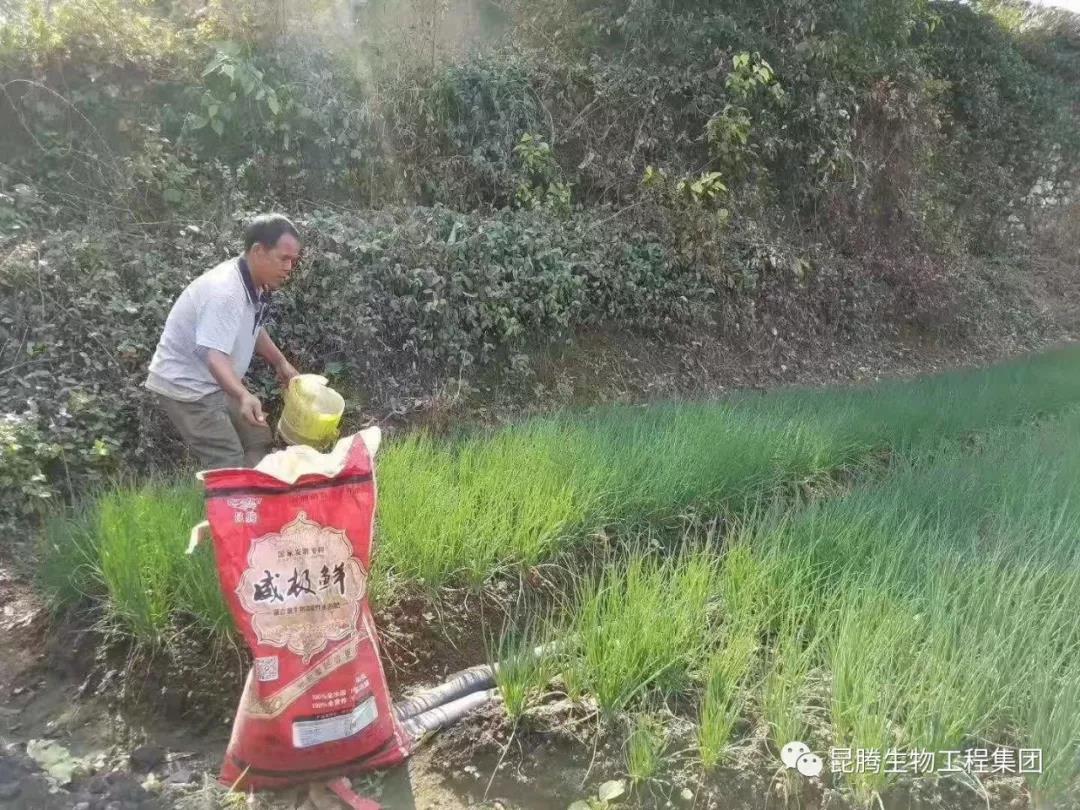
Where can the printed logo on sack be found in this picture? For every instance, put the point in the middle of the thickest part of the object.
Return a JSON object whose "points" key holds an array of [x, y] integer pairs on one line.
{"points": [[302, 587], [244, 509], [797, 756]]}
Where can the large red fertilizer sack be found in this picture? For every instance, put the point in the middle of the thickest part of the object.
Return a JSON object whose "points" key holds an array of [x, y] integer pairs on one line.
{"points": [[293, 543]]}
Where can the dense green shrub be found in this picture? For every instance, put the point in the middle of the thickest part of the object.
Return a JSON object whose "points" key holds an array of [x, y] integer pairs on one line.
{"points": [[448, 290], [920, 118], [413, 295], [1005, 121], [936, 115]]}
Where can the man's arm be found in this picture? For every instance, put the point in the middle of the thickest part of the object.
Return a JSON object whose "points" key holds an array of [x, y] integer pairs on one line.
{"points": [[216, 328], [221, 368], [268, 351]]}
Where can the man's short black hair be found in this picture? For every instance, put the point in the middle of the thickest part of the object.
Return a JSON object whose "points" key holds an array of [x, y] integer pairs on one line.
{"points": [[266, 229]]}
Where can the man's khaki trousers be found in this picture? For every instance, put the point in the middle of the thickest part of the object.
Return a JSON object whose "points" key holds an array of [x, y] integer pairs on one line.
{"points": [[216, 432]]}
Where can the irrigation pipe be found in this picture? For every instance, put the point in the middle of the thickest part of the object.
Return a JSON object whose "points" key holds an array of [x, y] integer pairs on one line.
{"points": [[450, 701], [434, 719], [474, 679]]}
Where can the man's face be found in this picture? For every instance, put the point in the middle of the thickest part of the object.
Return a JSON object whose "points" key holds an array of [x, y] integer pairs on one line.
{"points": [[272, 266]]}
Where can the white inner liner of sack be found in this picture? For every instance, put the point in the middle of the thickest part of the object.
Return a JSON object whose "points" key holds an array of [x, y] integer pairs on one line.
{"points": [[289, 464], [298, 460]]}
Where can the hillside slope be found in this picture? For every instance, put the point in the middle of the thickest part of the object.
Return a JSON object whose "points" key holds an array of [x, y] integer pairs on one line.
{"points": [[524, 205]]}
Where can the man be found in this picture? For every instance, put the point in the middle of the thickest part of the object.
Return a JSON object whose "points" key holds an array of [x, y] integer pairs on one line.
{"points": [[206, 346]]}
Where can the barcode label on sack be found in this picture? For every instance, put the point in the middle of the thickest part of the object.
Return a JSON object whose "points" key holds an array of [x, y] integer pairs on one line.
{"points": [[307, 733]]}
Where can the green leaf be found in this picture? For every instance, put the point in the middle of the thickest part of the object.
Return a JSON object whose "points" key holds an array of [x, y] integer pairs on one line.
{"points": [[218, 126], [273, 103], [215, 63], [610, 791], [173, 195], [197, 121]]}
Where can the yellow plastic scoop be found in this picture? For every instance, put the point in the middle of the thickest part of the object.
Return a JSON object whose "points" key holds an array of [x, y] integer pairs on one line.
{"points": [[312, 412]]}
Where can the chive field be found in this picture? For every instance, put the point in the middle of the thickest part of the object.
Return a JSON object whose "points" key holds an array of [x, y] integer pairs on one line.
{"points": [[933, 609], [899, 570]]}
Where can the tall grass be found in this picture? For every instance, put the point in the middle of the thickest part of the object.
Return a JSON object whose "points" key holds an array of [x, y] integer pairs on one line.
{"points": [[525, 659], [934, 610], [460, 510], [1051, 723], [129, 548], [644, 752], [724, 694], [641, 627], [933, 607], [873, 635], [455, 511], [467, 510]]}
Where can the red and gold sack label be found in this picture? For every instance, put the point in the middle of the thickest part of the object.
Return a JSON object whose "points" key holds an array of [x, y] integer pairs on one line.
{"points": [[303, 587], [274, 704]]}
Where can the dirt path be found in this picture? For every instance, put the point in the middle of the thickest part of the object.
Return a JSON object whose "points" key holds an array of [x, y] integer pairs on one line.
{"points": [[125, 762], [22, 629], [42, 722]]}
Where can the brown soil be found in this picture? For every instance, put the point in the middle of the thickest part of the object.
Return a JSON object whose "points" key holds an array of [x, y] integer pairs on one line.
{"points": [[23, 623], [423, 642]]}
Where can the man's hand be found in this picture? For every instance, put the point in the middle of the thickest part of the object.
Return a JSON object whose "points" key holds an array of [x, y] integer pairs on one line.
{"points": [[265, 348], [251, 409], [285, 372]]}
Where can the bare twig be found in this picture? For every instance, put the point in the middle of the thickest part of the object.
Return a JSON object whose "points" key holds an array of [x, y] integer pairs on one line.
{"points": [[23, 364], [547, 112], [617, 214], [45, 88]]}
